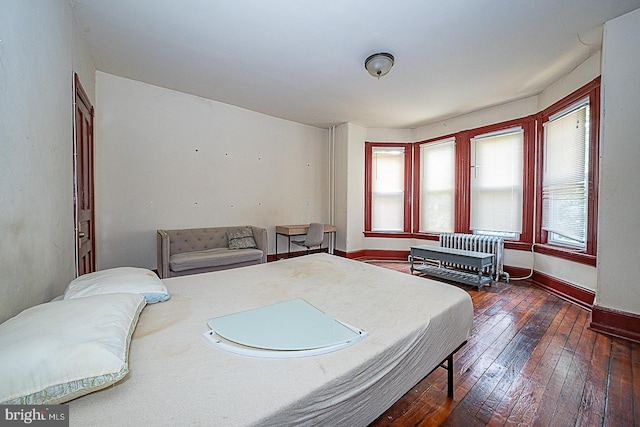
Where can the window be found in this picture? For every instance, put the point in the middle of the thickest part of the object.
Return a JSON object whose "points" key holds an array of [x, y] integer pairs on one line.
{"points": [[568, 176], [437, 186], [564, 176], [496, 183], [531, 180], [388, 195]]}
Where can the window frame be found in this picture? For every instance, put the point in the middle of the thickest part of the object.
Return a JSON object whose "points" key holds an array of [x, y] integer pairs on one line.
{"points": [[588, 254], [416, 185], [408, 173], [528, 161], [476, 139]]}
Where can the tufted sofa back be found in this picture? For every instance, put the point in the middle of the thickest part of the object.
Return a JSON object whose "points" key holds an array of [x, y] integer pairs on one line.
{"points": [[197, 239]]}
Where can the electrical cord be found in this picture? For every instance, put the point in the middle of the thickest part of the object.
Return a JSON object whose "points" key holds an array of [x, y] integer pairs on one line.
{"points": [[528, 276]]}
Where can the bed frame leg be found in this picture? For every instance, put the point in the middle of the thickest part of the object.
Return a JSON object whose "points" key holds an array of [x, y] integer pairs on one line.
{"points": [[450, 376], [449, 367]]}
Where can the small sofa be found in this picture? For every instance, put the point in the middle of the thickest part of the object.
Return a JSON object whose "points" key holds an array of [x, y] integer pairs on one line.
{"points": [[200, 250]]}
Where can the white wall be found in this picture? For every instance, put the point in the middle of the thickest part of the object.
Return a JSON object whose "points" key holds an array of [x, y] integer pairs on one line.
{"points": [[39, 51], [619, 207], [580, 76], [341, 177], [167, 160], [355, 185]]}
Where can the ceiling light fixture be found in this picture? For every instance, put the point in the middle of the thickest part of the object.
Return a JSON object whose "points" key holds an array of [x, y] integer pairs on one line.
{"points": [[379, 64]]}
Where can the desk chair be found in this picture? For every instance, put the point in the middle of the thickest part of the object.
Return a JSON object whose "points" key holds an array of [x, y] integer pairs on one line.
{"points": [[315, 236]]}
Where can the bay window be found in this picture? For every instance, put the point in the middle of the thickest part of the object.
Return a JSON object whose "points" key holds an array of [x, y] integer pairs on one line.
{"points": [[531, 180], [564, 176], [437, 186], [568, 176], [496, 178], [388, 187]]}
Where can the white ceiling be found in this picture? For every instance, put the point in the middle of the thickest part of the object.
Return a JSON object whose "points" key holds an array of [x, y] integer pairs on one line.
{"points": [[303, 60]]}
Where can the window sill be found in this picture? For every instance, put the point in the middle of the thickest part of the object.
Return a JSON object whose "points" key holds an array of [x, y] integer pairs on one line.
{"points": [[566, 253], [517, 245], [426, 236], [387, 234]]}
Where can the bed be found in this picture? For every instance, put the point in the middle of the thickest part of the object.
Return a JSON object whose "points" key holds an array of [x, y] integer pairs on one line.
{"points": [[177, 377]]}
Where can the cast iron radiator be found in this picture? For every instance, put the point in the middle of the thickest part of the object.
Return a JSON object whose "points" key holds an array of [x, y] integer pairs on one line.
{"points": [[477, 243]]}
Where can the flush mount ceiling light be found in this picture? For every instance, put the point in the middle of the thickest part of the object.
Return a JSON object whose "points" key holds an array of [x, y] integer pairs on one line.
{"points": [[379, 64]]}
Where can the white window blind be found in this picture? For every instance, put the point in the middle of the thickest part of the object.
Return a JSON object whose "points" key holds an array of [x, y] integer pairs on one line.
{"points": [[437, 185], [387, 189], [564, 182], [496, 182]]}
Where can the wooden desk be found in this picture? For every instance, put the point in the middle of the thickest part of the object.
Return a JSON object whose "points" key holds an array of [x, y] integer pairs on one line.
{"points": [[299, 230]]}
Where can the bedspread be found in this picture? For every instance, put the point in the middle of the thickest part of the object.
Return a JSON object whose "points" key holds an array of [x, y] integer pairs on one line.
{"points": [[178, 378]]}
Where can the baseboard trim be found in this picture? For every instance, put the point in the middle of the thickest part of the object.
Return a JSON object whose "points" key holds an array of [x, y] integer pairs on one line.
{"points": [[377, 254], [361, 255], [285, 255], [565, 290], [614, 322]]}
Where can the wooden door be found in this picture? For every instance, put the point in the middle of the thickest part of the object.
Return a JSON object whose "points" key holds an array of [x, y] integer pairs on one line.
{"points": [[83, 176]]}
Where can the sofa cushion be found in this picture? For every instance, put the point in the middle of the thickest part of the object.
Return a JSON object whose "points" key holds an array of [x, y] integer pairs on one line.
{"points": [[213, 258]]}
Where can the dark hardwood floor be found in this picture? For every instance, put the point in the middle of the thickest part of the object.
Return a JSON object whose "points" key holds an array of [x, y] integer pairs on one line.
{"points": [[530, 360]]}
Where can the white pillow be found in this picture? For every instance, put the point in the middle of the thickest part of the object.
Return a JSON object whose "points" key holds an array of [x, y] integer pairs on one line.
{"points": [[120, 279], [54, 352]]}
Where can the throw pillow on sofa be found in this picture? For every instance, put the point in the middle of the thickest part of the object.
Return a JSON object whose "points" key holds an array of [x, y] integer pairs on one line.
{"points": [[241, 239]]}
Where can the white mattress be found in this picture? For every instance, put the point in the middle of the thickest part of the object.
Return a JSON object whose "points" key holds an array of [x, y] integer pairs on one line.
{"points": [[178, 378]]}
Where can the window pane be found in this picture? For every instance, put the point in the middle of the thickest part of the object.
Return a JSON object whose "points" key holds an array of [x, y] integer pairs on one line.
{"points": [[387, 213], [496, 182], [437, 185], [387, 189], [564, 181]]}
